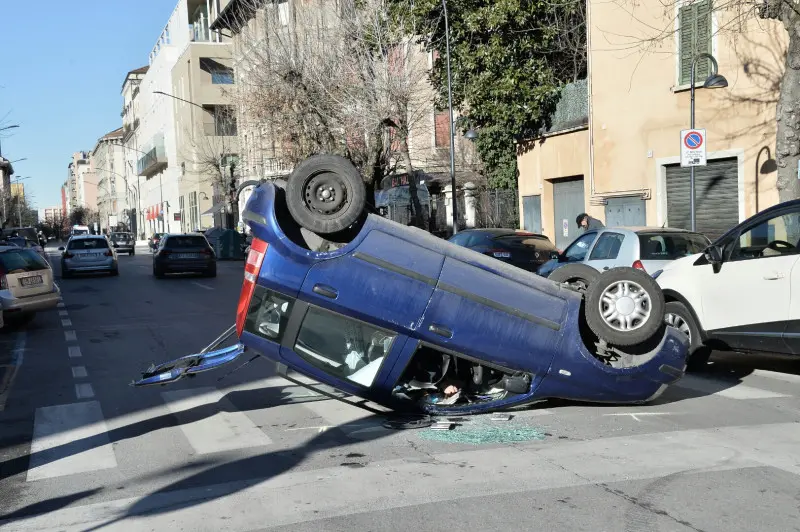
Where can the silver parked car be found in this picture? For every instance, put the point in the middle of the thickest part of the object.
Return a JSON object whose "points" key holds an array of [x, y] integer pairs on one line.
{"points": [[644, 248], [26, 282], [88, 253]]}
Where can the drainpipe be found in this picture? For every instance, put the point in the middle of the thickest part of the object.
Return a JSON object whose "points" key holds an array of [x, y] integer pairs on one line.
{"points": [[589, 95]]}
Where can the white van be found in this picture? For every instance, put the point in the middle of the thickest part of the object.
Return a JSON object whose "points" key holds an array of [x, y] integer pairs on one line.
{"points": [[80, 230]]}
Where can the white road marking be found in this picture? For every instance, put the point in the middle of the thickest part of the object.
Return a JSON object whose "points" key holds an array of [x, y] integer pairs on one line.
{"points": [[79, 372], [298, 496], [63, 313], [69, 336], [66, 323], [60, 304], [69, 439], [84, 390], [786, 377], [226, 430], [74, 351], [635, 415], [725, 389], [17, 356], [201, 285]]}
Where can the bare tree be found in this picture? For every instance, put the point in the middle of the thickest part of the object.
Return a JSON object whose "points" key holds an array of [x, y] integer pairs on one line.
{"points": [[318, 78]]}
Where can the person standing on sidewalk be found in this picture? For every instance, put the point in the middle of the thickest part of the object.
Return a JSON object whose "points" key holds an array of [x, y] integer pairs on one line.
{"points": [[587, 223]]}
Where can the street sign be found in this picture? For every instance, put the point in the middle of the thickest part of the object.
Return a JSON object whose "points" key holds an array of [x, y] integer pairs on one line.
{"points": [[565, 227], [693, 147]]}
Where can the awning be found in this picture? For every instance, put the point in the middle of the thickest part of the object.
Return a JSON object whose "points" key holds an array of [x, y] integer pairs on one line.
{"points": [[215, 209]]}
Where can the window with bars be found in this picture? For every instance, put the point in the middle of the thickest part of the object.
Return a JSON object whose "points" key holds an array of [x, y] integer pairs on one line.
{"points": [[694, 34]]}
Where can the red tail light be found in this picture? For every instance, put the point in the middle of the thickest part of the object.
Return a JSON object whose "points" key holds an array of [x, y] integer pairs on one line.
{"points": [[68, 255], [258, 249], [639, 266], [109, 253], [498, 253], [207, 251]]}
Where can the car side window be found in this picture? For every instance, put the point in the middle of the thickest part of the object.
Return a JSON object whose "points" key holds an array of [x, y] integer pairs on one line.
{"points": [[460, 239], [342, 346], [607, 247], [776, 236], [578, 250]]}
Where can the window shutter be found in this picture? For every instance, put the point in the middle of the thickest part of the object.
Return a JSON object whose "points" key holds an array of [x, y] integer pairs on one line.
{"points": [[442, 129], [694, 22]]}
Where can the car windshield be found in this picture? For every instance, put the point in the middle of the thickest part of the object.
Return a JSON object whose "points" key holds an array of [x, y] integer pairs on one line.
{"points": [[21, 260], [88, 243], [185, 242], [526, 241], [670, 246], [120, 236]]}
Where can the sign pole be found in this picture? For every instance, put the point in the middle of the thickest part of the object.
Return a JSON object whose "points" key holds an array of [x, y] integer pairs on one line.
{"points": [[691, 168]]}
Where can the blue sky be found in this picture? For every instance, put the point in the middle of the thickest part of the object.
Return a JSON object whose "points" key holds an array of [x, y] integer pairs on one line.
{"points": [[62, 65]]}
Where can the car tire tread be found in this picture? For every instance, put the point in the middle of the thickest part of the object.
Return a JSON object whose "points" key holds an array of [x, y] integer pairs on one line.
{"points": [[574, 272], [699, 353]]}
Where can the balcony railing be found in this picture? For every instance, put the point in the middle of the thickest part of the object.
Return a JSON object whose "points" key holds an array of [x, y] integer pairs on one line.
{"points": [[155, 159]]}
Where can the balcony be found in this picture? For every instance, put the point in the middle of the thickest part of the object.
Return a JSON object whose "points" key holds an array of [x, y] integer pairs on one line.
{"points": [[154, 160]]}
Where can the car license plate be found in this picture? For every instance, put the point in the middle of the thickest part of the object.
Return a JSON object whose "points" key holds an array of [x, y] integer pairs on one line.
{"points": [[31, 281], [186, 256], [89, 255]]}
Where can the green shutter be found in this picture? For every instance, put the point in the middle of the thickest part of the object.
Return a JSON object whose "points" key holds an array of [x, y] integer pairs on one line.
{"points": [[694, 22]]}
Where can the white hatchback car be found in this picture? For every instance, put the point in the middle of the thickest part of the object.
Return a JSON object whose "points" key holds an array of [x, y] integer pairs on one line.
{"points": [[26, 283], [743, 292]]}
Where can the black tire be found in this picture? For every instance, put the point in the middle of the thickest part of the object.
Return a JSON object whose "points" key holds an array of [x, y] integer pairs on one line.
{"points": [[699, 353], [644, 329], [158, 272], [211, 272], [339, 178], [578, 276], [132, 253], [65, 274], [115, 272]]}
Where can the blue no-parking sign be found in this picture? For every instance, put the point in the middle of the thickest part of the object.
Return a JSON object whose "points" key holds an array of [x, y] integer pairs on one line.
{"points": [[693, 147]]}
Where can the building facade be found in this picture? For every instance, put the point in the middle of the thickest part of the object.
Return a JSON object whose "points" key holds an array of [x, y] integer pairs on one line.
{"points": [[81, 187], [130, 147], [616, 152], [107, 162]]}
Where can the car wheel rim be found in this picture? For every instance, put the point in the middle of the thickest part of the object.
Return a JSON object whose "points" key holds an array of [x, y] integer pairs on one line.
{"points": [[625, 306], [325, 194], [679, 323]]}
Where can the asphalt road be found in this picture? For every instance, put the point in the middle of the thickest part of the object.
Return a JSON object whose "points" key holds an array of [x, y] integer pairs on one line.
{"points": [[81, 450]]}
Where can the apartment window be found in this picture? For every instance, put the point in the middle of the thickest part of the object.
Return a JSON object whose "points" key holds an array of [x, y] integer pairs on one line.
{"points": [[194, 212], [694, 36], [180, 209], [220, 74], [220, 121], [441, 130]]}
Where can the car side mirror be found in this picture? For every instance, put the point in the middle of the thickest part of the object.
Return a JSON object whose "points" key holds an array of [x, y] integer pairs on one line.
{"points": [[61, 248], [713, 254]]}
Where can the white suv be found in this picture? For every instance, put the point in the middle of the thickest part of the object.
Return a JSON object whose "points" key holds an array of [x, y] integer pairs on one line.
{"points": [[743, 292]]}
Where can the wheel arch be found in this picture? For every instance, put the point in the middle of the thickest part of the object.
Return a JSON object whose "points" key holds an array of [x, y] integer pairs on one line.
{"points": [[672, 295]]}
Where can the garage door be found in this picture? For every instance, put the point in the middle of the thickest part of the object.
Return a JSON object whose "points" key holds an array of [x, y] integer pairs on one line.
{"points": [[716, 197], [568, 203], [625, 212]]}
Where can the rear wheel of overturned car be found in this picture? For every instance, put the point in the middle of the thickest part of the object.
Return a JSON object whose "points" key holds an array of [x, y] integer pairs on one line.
{"points": [[576, 276], [679, 316], [325, 194], [625, 307]]}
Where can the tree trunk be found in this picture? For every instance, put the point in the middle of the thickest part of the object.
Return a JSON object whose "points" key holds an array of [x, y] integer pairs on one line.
{"points": [[417, 213], [787, 149]]}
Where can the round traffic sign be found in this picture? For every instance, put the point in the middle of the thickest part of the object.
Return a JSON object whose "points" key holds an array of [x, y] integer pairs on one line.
{"points": [[693, 140]]}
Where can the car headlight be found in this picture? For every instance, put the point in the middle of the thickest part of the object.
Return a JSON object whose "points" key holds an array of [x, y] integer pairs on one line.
{"points": [[656, 274]]}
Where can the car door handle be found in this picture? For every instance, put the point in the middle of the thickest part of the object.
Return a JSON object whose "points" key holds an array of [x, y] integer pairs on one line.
{"points": [[440, 330], [326, 291], [772, 276]]}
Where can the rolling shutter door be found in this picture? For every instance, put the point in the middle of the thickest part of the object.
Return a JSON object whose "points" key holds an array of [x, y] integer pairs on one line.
{"points": [[716, 197]]}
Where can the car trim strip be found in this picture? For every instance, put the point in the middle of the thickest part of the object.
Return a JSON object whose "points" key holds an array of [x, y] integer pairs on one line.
{"points": [[501, 307], [457, 291], [395, 268]]}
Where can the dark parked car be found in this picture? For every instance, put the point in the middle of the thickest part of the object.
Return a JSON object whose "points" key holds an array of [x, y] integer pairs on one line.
{"points": [[123, 242], [184, 253], [394, 315], [518, 248]]}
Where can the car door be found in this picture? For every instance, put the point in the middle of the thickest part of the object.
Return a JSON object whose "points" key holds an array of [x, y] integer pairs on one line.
{"points": [[746, 303], [605, 253], [362, 306]]}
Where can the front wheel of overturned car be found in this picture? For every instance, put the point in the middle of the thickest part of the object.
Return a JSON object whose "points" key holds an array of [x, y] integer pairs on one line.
{"points": [[326, 194], [576, 276], [624, 307], [680, 317]]}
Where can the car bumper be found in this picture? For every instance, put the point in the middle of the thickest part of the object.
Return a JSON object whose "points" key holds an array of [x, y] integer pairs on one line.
{"points": [[186, 265], [35, 303], [86, 266], [125, 249]]}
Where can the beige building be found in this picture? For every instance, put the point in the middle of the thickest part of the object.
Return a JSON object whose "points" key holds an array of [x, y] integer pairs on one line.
{"points": [[80, 184], [130, 125], [18, 190], [107, 167], [614, 150]]}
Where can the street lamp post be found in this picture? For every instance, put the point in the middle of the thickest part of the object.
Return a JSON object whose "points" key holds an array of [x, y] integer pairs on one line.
{"points": [[452, 129], [713, 81]]}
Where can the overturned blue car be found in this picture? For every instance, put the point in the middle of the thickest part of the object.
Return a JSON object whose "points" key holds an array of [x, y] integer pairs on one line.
{"points": [[393, 315]]}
